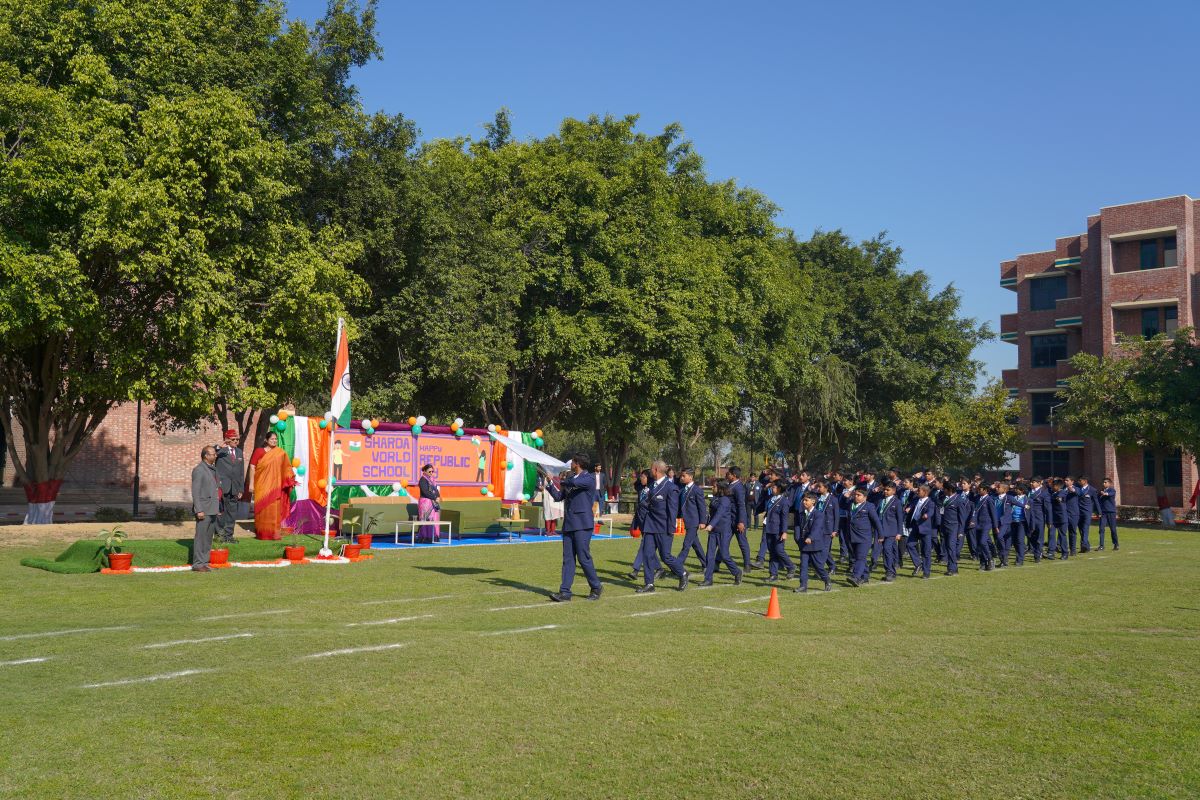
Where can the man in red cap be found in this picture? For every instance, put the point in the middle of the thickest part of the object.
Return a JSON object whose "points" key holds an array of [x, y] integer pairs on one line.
{"points": [[231, 472]]}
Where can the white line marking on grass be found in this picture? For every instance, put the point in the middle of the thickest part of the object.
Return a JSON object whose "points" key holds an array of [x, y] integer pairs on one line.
{"points": [[389, 621], [634, 594], [732, 610], [37, 660], [531, 605], [1098, 558], [148, 679], [407, 600], [246, 614], [351, 650], [520, 630], [502, 591], [754, 599], [660, 611], [199, 641], [16, 636]]}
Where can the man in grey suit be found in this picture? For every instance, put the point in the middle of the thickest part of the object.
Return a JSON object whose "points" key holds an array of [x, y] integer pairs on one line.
{"points": [[231, 470], [206, 505]]}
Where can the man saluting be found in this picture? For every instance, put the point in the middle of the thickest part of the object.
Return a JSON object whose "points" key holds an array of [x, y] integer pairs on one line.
{"points": [[577, 493]]}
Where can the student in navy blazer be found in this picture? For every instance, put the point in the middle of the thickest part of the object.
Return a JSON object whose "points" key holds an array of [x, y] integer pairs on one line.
{"points": [[720, 533], [741, 513], [1000, 517], [775, 530], [694, 513], [952, 518], [658, 526], [1058, 518], [863, 529], [1071, 506], [1108, 512], [642, 485], [578, 495], [891, 530], [1035, 519], [812, 534], [827, 504], [1088, 501], [921, 524]]}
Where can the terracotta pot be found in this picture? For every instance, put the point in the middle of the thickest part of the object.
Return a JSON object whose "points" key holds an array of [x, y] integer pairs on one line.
{"points": [[293, 553], [364, 540], [352, 551], [120, 560], [218, 556]]}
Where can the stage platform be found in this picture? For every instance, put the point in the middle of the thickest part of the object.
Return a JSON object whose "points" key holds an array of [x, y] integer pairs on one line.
{"points": [[468, 539]]}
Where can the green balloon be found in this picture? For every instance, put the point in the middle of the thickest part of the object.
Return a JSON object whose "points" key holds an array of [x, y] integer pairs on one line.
{"points": [[483, 490], [281, 426], [508, 465]]}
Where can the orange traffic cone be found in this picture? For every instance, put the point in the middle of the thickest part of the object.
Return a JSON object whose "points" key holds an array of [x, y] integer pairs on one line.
{"points": [[773, 605]]}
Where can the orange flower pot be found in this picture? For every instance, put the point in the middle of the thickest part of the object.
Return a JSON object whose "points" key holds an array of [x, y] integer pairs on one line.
{"points": [[122, 561], [218, 556], [352, 551], [364, 540], [293, 553]]}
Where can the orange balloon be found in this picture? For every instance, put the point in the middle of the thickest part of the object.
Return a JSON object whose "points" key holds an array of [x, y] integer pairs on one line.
{"points": [[295, 462], [283, 413], [321, 483], [412, 421], [538, 433], [491, 488]]}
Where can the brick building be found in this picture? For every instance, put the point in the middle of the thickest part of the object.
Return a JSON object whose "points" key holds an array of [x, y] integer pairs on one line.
{"points": [[105, 464], [1135, 271]]}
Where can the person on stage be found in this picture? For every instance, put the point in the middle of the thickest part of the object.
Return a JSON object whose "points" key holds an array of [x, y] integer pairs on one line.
{"points": [[429, 506], [231, 469], [272, 478], [577, 493]]}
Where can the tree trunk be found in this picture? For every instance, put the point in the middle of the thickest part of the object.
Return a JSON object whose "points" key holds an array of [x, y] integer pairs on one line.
{"points": [[1160, 478]]}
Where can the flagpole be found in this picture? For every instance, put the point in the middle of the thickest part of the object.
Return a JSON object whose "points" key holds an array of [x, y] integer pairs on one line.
{"points": [[332, 428]]}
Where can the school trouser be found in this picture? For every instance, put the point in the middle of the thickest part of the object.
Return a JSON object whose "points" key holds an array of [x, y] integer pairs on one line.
{"points": [[744, 546], [577, 546], [639, 561], [873, 554], [660, 542], [691, 542], [764, 547], [1058, 540], [891, 556], [816, 561], [1085, 522], [936, 541], [920, 550], [1015, 538], [950, 548], [1072, 532], [859, 548], [1109, 519], [779, 556], [1033, 539], [1048, 539], [718, 550], [843, 538], [982, 554], [828, 562]]}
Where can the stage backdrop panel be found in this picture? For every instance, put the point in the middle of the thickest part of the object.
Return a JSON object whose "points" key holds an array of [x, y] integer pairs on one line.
{"points": [[387, 456]]}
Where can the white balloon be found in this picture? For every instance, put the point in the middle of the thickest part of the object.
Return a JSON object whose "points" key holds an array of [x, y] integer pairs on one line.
{"points": [[458, 421], [396, 486], [329, 416], [421, 420], [274, 419], [491, 428]]}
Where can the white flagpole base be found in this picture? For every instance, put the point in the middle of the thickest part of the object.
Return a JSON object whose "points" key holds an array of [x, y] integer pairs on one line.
{"points": [[325, 552]]}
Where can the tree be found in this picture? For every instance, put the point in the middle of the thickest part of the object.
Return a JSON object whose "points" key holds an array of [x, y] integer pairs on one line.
{"points": [[968, 435], [142, 195], [1145, 395]]}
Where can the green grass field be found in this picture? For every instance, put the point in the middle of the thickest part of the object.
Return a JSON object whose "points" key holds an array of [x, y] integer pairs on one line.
{"points": [[1071, 680]]}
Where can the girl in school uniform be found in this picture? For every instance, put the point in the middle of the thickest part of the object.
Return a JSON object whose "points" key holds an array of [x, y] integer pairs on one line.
{"points": [[720, 533]]}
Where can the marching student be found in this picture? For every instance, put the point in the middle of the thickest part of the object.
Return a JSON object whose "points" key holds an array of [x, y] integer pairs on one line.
{"points": [[953, 515], [1058, 519], [765, 480], [658, 526], [775, 531], [863, 528], [827, 504], [1071, 505], [920, 523], [1088, 497], [639, 510], [720, 533], [937, 495], [694, 513], [976, 531], [845, 500], [1108, 512], [741, 513], [578, 493], [999, 520], [813, 537], [907, 496], [891, 529], [1017, 528], [1035, 520]]}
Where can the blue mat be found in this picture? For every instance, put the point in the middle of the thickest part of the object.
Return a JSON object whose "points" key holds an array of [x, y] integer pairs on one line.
{"points": [[528, 537]]}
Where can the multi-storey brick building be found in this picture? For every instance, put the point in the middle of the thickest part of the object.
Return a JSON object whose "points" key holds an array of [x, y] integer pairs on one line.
{"points": [[1135, 271]]}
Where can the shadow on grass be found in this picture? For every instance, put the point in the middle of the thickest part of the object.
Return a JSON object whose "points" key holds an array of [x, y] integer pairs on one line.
{"points": [[457, 570], [524, 587]]}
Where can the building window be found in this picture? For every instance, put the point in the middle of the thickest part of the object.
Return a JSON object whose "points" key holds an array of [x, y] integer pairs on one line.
{"points": [[1155, 253], [1148, 250], [1043, 292], [1150, 327], [1172, 469], [1169, 257], [1170, 320], [1040, 406], [1051, 462], [1048, 349]]}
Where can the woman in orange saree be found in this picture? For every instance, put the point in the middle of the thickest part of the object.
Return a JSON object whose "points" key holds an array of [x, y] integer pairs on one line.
{"points": [[273, 480]]}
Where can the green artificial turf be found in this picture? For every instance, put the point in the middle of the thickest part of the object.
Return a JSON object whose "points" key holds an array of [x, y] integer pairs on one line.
{"points": [[87, 555], [1060, 680]]}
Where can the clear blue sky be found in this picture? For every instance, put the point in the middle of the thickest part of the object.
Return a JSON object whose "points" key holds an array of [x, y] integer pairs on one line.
{"points": [[971, 132]]}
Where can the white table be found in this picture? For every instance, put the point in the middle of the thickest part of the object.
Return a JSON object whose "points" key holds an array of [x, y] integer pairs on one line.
{"points": [[609, 520], [418, 523]]}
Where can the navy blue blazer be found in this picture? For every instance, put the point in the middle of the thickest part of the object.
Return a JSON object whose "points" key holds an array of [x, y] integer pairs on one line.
{"points": [[1059, 514], [814, 526], [829, 505], [1071, 501], [891, 516], [737, 494], [720, 514], [954, 514], [639, 508], [692, 507], [662, 508], [1033, 508], [864, 523], [776, 519], [1087, 499], [921, 518], [1108, 501], [578, 493]]}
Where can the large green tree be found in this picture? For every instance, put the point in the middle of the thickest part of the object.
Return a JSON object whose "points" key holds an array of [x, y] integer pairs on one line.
{"points": [[966, 434], [151, 237]]}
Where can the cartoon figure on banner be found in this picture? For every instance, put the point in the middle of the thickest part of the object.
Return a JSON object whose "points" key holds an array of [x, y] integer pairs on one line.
{"points": [[337, 460]]}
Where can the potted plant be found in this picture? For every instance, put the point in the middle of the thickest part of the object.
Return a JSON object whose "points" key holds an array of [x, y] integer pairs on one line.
{"points": [[218, 557], [295, 551], [114, 538], [364, 538]]}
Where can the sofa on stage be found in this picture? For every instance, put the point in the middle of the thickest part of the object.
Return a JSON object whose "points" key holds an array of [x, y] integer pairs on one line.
{"points": [[466, 517]]}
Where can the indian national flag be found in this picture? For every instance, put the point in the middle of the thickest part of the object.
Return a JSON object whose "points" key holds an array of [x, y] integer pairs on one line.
{"points": [[340, 404]]}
